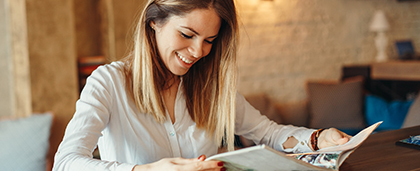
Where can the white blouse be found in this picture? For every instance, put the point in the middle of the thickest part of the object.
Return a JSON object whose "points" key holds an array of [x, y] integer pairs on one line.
{"points": [[107, 116]]}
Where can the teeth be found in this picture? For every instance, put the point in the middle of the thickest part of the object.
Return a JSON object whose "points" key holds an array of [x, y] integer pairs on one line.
{"points": [[183, 59]]}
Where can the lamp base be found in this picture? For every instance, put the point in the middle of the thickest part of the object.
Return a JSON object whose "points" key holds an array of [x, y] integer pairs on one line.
{"points": [[381, 41]]}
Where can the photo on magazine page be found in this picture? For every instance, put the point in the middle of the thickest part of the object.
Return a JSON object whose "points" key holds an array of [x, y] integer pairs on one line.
{"points": [[325, 160]]}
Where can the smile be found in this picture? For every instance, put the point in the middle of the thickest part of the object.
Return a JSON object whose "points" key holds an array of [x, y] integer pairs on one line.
{"points": [[184, 59]]}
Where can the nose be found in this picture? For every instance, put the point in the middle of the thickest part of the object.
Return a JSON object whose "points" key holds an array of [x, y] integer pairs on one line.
{"points": [[196, 49]]}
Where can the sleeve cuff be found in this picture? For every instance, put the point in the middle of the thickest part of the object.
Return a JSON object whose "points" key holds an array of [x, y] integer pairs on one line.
{"points": [[303, 137]]}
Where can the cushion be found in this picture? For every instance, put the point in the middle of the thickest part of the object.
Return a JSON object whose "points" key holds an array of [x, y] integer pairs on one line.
{"points": [[25, 142], [413, 115], [263, 104], [338, 105], [295, 113], [392, 113]]}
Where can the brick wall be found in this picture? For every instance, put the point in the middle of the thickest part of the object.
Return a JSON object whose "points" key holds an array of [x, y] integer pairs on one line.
{"points": [[284, 43]]}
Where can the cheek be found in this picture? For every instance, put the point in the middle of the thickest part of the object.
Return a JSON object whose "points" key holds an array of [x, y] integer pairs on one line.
{"points": [[176, 43], [167, 42], [206, 50], [161, 45]]}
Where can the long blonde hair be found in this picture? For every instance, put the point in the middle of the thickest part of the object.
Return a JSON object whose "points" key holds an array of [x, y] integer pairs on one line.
{"points": [[209, 85]]}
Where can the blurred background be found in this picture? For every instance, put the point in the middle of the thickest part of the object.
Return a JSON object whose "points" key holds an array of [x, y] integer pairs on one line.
{"points": [[45, 46]]}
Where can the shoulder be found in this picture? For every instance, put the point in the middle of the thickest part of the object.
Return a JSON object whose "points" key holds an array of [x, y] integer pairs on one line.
{"points": [[109, 72], [107, 76], [113, 68], [107, 80]]}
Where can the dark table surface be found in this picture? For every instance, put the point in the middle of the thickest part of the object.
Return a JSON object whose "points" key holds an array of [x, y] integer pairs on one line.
{"points": [[379, 152]]}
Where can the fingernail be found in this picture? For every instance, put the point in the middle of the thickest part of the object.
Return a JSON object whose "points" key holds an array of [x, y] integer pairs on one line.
{"points": [[223, 169], [201, 157], [220, 164]]}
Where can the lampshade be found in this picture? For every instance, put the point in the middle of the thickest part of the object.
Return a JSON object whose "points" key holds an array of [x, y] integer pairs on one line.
{"points": [[379, 22]]}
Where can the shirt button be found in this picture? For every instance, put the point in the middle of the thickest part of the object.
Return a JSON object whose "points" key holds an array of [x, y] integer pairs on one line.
{"points": [[172, 134], [302, 143]]}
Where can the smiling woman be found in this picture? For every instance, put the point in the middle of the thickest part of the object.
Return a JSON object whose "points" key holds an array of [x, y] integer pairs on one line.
{"points": [[173, 100], [182, 41]]}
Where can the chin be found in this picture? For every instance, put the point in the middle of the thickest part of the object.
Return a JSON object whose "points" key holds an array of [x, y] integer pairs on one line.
{"points": [[180, 73]]}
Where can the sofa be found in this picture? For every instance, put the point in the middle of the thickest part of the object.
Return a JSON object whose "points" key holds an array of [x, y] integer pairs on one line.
{"points": [[345, 105], [24, 143]]}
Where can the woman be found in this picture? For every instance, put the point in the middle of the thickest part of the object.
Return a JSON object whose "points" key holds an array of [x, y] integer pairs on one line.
{"points": [[173, 99]]}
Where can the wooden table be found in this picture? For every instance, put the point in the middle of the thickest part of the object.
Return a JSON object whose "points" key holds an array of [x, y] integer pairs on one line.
{"points": [[408, 70], [391, 80], [379, 152]]}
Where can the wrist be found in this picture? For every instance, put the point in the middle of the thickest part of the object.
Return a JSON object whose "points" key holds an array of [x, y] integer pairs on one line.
{"points": [[314, 139], [141, 167]]}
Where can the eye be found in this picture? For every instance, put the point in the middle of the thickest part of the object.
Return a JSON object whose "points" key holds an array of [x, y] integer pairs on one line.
{"points": [[209, 42], [185, 36]]}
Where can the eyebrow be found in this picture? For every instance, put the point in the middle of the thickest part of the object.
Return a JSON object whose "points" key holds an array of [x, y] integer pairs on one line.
{"points": [[195, 32]]}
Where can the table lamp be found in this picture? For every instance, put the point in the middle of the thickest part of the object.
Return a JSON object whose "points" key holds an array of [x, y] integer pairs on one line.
{"points": [[380, 25]]}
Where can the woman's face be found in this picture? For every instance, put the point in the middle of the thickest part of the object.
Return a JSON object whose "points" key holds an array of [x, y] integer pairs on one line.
{"points": [[183, 40]]}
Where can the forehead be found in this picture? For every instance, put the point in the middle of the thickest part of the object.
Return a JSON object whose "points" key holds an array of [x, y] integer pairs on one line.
{"points": [[203, 21]]}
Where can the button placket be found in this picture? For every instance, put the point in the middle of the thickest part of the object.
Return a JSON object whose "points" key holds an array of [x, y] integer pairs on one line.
{"points": [[172, 135], [173, 139]]}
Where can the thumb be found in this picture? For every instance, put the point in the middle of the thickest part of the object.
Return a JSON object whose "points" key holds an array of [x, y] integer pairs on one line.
{"points": [[342, 141], [202, 157]]}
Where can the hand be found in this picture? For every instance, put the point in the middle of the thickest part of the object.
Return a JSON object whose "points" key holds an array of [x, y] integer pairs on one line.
{"points": [[182, 164], [332, 137]]}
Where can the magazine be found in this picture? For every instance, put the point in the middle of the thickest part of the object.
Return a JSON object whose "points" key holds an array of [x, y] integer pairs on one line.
{"points": [[264, 158], [411, 142]]}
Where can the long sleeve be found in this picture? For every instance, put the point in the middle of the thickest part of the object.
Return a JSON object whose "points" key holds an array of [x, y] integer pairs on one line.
{"points": [[107, 116], [83, 131], [254, 126]]}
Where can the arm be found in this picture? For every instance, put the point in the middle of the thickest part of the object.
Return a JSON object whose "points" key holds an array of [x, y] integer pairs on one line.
{"points": [[92, 116], [324, 138], [256, 127], [83, 131], [182, 164]]}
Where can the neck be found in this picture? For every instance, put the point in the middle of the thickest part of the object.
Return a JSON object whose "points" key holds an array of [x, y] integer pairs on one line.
{"points": [[173, 81]]}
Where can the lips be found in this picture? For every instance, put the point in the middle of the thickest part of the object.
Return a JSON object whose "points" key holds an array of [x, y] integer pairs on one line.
{"points": [[187, 61]]}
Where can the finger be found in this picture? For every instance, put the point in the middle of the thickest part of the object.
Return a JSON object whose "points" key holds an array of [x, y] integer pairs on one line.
{"points": [[182, 161], [203, 165], [331, 137], [345, 135], [194, 164], [324, 144], [342, 141], [202, 157], [342, 138], [335, 135], [218, 169]]}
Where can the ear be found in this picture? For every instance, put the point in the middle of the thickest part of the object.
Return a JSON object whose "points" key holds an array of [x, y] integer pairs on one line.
{"points": [[152, 24]]}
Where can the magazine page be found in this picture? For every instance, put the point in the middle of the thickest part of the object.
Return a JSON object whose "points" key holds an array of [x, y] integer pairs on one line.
{"points": [[262, 158], [354, 141], [333, 157], [411, 142], [344, 156], [328, 160]]}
